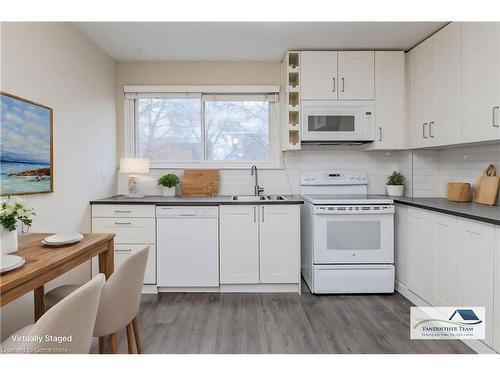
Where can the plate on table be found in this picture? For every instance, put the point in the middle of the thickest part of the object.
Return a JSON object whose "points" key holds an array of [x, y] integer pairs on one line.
{"points": [[62, 239], [10, 262]]}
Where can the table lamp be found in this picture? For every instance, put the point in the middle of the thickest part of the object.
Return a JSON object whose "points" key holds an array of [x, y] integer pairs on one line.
{"points": [[134, 166]]}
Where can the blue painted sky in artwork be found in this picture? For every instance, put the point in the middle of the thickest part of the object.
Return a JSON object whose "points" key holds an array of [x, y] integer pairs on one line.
{"points": [[24, 131]]}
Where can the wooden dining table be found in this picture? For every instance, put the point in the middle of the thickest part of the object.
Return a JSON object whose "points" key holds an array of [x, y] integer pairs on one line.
{"points": [[45, 263]]}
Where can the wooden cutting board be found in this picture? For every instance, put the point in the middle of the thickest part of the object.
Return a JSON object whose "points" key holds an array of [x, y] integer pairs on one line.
{"points": [[458, 192], [200, 182], [487, 187]]}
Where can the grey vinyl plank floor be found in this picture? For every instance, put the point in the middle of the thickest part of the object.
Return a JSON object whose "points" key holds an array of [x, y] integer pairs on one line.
{"points": [[280, 323]]}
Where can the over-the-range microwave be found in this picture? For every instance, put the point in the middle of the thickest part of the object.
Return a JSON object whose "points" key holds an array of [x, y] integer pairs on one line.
{"points": [[331, 122]]}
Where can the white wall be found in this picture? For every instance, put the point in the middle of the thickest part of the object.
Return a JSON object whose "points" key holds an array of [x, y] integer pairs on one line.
{"points": [[56, 65], [433, 169]]}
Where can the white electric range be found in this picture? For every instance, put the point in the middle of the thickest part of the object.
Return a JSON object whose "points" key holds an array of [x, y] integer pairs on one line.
{"points": [[347, 235]]}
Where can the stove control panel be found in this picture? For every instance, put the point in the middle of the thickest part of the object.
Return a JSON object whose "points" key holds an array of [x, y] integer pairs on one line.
{"points": [[334, 177], [354, 209]]}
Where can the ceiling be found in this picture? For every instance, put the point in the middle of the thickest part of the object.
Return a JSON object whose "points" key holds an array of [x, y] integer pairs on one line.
{"points": [[247, 41]]}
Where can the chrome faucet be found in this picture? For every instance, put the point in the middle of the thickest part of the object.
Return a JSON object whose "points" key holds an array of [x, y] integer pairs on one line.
{"points": [[257, 188]]}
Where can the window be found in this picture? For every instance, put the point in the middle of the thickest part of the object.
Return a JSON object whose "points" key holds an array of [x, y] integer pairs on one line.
{"points": [[213, 130]]}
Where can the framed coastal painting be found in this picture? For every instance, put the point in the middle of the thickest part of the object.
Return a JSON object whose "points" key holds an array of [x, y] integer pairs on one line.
{"points": [[26, 149]]}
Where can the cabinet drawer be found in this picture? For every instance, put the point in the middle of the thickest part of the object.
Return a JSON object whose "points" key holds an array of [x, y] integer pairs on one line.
{"points": [[123, 210], [124, 251], [127, 230]]}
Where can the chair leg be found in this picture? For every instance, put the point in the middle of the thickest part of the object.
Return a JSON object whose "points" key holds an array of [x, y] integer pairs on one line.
{"points": [[130, 338], [114, 343], [137, 334], [101, 345]]}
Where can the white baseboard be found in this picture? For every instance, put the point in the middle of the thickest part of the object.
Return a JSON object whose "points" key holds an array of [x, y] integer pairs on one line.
{"points": [[149, 289], [227, 288], [477, 345]]}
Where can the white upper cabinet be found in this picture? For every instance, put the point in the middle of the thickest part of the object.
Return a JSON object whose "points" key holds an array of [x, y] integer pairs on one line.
{"points": [[480, 81], [356, 75], [319, 75], [332, 75], [445, 127], [390, 100], [435, 90]]}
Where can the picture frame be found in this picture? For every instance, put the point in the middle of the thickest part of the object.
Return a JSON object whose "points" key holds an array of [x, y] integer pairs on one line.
{"points": [[27, 146]]}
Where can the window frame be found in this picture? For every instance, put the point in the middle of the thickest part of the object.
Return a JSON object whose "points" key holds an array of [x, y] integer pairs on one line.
{"points": [[132, 93]]}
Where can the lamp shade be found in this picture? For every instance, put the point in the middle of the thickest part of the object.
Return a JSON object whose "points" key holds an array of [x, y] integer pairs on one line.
{"points": [[134, 165]]}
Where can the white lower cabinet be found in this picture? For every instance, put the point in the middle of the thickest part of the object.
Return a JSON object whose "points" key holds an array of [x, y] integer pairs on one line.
{"points": [[419, 252], [476, 248], [259, 244], [134, 227], [239, 244], [401, 244], [279, 244], [496, 290]]}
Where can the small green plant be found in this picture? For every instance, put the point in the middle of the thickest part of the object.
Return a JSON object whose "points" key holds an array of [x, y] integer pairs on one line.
{"points": [[169, 180], [12, 211], [396, 178]]}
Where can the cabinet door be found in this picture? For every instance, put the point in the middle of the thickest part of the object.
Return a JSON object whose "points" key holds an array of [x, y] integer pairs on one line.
{"points": [[239, 245], [423, 93], [356, 74], [390, 100], [401, 244], [443, 255], [476, 244], [445, 127], [319, 75], [279, 244], [418, 255], [496, 289], [480, 81]]}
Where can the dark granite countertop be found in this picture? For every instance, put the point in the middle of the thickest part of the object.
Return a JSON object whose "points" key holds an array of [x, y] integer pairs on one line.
{"points": [[217, 200], [474, 211]]}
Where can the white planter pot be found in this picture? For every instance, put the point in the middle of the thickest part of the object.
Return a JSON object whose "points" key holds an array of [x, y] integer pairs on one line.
{"points": [[168, 192], [8, 242], [395, 190]]}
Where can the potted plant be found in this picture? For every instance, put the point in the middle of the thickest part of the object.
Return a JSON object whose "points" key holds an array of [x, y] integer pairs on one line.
{"points": [[169, 182], [395, 184], [12, 212]]}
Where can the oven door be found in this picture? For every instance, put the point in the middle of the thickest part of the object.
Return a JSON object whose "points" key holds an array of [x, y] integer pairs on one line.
{"points": [[359, 234], [337, 121]]}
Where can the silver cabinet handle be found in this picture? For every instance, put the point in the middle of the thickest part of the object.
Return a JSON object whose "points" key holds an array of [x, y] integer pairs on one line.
{"points": [[494, 115], [123, 250], [254, 214], [262, 213], [118, 223], [333, 84], [343, 84], [430, 129], [123, 211], [423, 130], [379, 133]]}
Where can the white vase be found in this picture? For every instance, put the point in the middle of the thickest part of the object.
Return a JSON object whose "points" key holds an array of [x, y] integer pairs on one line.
{"points": [[168, 192], [395, 190], [8, 243]]}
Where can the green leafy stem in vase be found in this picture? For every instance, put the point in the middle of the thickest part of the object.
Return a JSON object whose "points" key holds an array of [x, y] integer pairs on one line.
{"points": [[169, 180], [13, 211], [396, 178]]}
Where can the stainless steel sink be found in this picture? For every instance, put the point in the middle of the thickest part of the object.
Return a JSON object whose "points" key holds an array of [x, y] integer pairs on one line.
{"points": [[276, 197], [248, 198], [255, 198]]}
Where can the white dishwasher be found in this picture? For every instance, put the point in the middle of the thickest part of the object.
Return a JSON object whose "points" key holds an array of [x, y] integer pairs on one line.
{"points": [[187, 246]]}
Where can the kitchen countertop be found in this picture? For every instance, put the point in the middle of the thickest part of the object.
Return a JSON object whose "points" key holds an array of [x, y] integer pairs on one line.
{"points": [[474, 211], [217, 200]]}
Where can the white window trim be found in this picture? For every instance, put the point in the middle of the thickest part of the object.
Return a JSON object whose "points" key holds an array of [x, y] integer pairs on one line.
{"points": [[133, 92]]}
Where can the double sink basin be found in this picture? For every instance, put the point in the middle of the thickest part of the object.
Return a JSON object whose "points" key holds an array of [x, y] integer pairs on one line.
{"points": [[257, 198]]}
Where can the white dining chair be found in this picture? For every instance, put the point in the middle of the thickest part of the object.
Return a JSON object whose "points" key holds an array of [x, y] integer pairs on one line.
{"points": [[119, 303], [66, 328]]}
